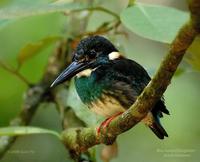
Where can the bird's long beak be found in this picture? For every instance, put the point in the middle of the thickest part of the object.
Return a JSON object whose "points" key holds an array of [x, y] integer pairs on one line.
{"points": [[69, 72]]}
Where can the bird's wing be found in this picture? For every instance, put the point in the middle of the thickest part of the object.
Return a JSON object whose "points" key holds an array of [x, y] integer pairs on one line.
{"points": [[126, 80], [132, 72], [135, 74]]}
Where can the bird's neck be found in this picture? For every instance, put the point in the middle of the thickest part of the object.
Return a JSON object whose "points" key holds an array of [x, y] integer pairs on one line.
{"points": [[90, 87]]}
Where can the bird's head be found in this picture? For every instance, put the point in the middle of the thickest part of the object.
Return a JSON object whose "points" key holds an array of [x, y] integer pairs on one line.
{"points": [[90, 53]]}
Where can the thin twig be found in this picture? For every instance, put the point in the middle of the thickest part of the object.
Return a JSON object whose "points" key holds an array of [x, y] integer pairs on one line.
{"points": [[99, 8], [100, 31], [104, 10], [15, 72]]}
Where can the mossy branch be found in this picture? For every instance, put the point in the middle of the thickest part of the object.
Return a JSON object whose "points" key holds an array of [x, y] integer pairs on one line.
{"points": [[80, 139]]}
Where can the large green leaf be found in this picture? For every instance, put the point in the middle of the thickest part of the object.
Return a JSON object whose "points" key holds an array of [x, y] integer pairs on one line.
{"points": [[154, 22], [32, 49], [4, 22], [25, 130], [32, 8], [25, 10]]}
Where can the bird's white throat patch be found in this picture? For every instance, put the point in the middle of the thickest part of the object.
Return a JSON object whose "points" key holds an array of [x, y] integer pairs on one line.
{"points": [[86, 73], [114, 55]]}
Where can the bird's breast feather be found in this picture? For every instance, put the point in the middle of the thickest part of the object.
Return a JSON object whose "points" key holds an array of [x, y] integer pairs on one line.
{"points": [[106, 106]]}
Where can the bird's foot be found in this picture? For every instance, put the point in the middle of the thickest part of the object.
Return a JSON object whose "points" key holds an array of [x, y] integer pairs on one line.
{"points": [[106, 123]]}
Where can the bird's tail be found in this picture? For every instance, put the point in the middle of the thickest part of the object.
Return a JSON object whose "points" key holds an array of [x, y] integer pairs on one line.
{"points": [[154, 124], [152, 120], [157, 129]]}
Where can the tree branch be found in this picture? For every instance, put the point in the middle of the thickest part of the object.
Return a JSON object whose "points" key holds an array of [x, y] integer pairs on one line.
{"points": [[80, 139]]}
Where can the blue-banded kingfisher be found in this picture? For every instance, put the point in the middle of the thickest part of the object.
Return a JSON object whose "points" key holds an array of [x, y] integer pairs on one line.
{"points": [[108, 83]]}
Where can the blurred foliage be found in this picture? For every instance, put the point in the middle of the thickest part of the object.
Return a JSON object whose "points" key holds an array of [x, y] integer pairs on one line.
{"points": [[18, 29], [147, 21], [194, 54], [32, 49], [3, 23], [30, 8]]}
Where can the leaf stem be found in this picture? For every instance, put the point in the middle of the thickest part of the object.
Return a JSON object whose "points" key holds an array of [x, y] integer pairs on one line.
{"points": [[98, 8], [15, 72], [100, 30], [105, 10]]}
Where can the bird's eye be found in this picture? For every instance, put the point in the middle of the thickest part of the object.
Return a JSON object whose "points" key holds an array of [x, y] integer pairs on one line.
{"points": [[92, 54], [78, 57]]}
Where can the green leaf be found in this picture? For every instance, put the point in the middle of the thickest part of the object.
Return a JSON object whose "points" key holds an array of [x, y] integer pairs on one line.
{"points": [[25, 130], [154, 22], [131, 3], [5, 22], [179, 72], [32, 49], [193, 57], [25, 9], [11, 12]]}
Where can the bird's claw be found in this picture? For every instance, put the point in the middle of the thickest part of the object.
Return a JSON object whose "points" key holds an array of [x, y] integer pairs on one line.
{"points": [[106, 123]]}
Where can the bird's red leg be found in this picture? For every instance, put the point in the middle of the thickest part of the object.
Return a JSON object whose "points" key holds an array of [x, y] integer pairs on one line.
{"points": [[106, 122]]}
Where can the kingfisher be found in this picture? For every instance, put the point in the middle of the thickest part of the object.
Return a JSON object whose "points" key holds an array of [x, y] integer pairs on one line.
{"points": [[108, 82]]}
